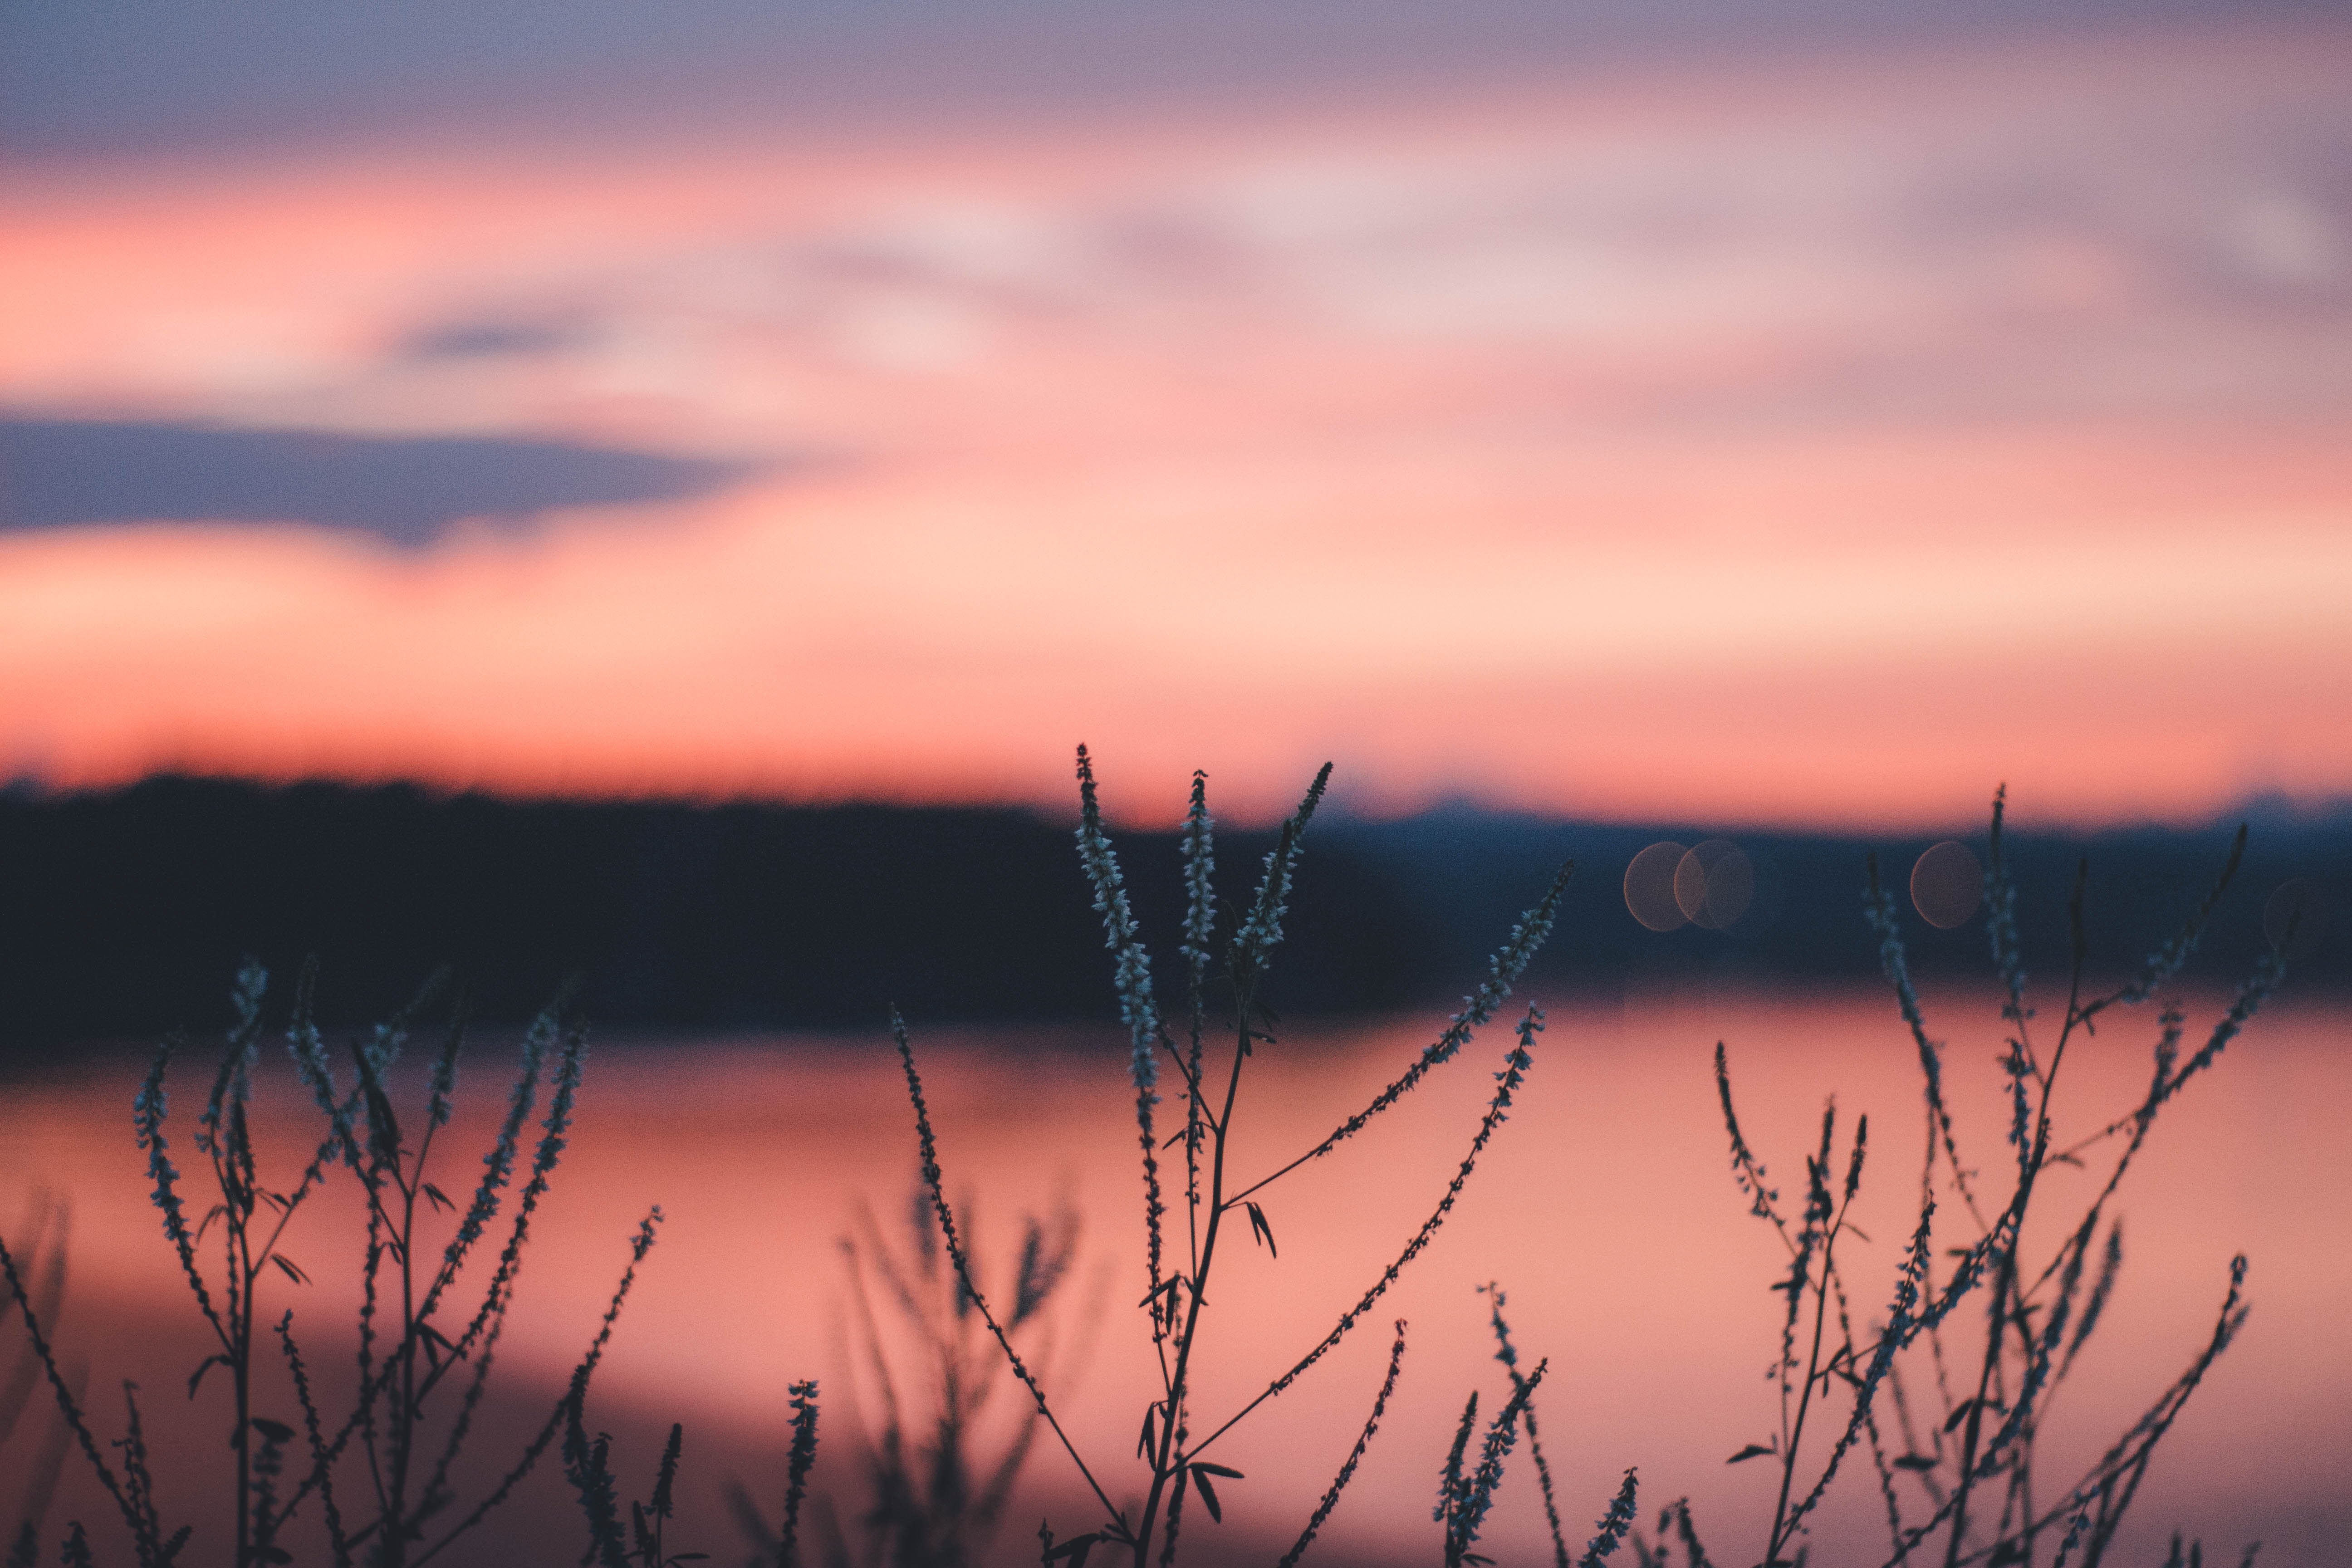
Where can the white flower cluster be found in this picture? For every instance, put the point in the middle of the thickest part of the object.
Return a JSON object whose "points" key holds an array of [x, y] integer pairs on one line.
{"points": [[1262, 932], [1200, 863], [1132, 977], [1505, 966]]}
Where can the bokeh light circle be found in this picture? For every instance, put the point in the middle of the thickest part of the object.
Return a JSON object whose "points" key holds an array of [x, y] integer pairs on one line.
{"points": [[1650, 886], [1730, 885], [1712, 882], [1946, 884]]}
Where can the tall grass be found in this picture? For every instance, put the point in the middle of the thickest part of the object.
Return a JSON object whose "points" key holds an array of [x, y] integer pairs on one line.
{"points": [[393, 1477], [45, 1237], [1227, 950], [1950, 1419], [1933, 1385], [936, 1489], [1955, 1465]]}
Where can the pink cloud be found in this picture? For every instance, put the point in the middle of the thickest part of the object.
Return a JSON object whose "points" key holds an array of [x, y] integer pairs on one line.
{"points": [[1705, 455]]}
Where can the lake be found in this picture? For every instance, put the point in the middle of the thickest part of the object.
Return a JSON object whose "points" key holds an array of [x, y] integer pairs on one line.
{"points": [[1605, 1207]]}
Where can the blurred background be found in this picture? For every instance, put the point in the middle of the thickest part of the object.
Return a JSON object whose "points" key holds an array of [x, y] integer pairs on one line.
{"points": [[1625, 411], [656, 493], [1676, 415]]}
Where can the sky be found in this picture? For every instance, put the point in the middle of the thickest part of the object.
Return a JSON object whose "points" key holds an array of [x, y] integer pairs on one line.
{"points": [[1639, 413]]}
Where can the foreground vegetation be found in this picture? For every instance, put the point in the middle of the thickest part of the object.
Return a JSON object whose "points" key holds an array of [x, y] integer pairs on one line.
{"points": [[1933, 1385]]}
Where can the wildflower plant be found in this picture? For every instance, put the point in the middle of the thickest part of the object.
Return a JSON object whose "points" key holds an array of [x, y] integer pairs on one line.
{"points": [[45, 1244], [382, 1482], [935, 1377], [1955, 1465], [1464, 1493], [376, 1462], [1523, 1387], [1223, 997]]}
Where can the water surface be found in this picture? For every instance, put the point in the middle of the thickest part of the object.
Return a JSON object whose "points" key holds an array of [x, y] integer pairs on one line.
{"points": [[1604, 1207]]}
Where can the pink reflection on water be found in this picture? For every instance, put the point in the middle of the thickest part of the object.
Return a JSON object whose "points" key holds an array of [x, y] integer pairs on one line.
{"points": [[1604, 1209]]}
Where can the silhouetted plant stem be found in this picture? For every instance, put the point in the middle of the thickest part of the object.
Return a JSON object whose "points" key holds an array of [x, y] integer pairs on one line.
{"points": [[798, 1463], [70, 1406], [2033, 1157], [2036, 1320], [1514, 1073], [1178, 1301], [1166, 1462], [1465, 1498], [1783, 1525], [932, 1179], [1611, 1529], [1355, 1455], [1509, 1354], [1504, 970]]}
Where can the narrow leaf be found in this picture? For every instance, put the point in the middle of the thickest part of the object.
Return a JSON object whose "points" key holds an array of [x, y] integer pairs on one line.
{"points": [[1260, 1229], [203, 1367], [1208, 1493], [1960, 1413]]}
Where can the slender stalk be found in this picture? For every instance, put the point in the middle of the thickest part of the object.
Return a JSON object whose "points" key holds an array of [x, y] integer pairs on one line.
{"points": [[1514, 1073], [69, 1405], [933, 1180], [1504, 970], [2007, 1300], [1783, 1526], [1167, 1461], [1355, 1455]]}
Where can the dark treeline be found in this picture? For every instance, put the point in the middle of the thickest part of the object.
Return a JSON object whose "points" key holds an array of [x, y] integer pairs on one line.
{"points": [[125, 913]]}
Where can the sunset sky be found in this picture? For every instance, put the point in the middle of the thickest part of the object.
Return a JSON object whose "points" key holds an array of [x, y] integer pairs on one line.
{"points": [[1598, 410]]}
